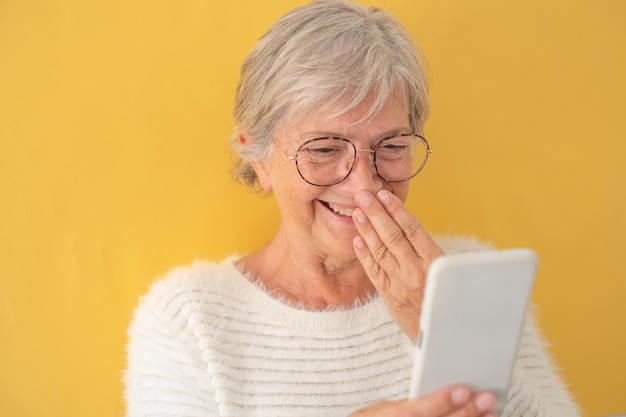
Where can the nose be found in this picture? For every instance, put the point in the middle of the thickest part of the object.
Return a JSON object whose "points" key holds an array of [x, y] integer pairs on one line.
{"points": [[363, 175]]}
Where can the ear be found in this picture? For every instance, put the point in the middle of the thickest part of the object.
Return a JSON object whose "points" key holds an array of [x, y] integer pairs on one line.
{"points": [[263, 174], [260, 168]]}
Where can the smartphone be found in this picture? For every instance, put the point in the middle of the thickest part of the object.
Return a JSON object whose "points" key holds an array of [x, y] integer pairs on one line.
{"points": [[473, 312]]}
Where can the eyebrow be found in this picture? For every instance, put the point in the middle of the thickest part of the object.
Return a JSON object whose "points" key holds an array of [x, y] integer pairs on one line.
{"points": [[327, 133]]}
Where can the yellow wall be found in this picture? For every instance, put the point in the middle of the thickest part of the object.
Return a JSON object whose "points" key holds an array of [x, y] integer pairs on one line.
{"points": [[114, 165]]}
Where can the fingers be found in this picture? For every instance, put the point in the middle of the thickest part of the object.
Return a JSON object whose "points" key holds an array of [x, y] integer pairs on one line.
{"points": [[381, 262], [422, 242], [391, 227], [454, 401], [375, 256], [395, 252], [380, 230]]}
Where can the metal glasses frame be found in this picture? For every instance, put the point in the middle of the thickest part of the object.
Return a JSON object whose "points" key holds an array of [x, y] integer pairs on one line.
{"points": [[356, 151]]}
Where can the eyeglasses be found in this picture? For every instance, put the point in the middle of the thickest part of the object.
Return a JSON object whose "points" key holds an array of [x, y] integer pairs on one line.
{"points": [[328, 161]]}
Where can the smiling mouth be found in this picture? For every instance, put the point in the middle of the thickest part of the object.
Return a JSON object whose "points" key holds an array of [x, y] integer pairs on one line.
{"points": [[343, 211]]}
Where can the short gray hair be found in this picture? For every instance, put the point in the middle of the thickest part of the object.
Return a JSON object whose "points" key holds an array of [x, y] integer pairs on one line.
{"points": [[327, 55]]}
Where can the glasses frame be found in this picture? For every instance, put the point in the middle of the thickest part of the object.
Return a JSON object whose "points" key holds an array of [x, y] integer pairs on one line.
{"points": [[372, 150]]}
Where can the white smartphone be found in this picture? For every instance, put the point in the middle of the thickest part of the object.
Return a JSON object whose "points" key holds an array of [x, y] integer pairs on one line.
{"points": [[473, 312]]}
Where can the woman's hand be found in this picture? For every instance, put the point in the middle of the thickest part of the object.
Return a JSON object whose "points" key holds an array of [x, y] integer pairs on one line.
{"points": [[395, 252], [453, 401]]}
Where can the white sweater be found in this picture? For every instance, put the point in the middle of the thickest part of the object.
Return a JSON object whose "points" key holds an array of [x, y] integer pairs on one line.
{"points": [[206, 341]]}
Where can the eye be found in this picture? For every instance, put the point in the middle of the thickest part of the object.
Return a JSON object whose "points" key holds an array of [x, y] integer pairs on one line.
{"points": [[394, 148], [391, 147], [322, 150]]}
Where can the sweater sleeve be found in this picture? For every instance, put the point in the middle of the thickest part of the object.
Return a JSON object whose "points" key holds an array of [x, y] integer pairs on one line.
{"points": [[165, 375], [537, 389]]}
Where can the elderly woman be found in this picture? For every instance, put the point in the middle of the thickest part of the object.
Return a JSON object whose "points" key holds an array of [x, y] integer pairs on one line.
{"points": [[321, 321]]}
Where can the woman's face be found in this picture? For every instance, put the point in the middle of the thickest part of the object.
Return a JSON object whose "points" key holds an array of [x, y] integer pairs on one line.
{"points": [[318, 219]]}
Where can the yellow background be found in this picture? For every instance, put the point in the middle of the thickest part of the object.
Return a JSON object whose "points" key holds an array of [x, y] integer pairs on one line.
{"points": [[114, 119]]}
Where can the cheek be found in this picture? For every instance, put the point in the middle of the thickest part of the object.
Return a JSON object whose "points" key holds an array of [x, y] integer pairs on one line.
{"points": [[401, 190], [294, 196]]}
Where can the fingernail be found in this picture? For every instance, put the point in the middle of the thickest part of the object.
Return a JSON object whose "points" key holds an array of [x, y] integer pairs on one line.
{"points": [[358, 242], [384, 196], [360, 216], [485, 402], [363, 199], [460, 395]]}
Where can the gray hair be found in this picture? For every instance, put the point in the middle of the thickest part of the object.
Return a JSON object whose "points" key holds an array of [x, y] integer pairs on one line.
{"points": [[327, 55]]}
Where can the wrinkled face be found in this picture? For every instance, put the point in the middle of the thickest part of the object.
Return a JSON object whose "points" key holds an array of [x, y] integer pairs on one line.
{"points": [[318, 219]]}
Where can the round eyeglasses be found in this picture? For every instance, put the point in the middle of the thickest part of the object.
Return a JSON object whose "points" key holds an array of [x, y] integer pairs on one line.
{"points": [[328, 161]]}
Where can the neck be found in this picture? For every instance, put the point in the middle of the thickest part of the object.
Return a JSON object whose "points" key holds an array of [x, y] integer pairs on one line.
{"points": [[303, 277]]}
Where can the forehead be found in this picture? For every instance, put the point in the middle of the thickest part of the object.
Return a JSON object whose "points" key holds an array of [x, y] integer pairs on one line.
{"points": [[361, 121]]}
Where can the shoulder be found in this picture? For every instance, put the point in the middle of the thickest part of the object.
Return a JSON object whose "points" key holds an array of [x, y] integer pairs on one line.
{"points": [[186, 279], [165, 363], [457, 244], [184, 291]]}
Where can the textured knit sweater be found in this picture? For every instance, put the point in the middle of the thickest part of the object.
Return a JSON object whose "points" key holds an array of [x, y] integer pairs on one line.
{"points": [[208, 341]]}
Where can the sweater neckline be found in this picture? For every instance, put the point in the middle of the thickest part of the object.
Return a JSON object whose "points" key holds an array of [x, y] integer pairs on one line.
{"points": [[279, 310]]}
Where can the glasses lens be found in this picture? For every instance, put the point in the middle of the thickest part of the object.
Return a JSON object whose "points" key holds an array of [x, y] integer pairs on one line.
{"points": [[400, 158], [325, 161]]}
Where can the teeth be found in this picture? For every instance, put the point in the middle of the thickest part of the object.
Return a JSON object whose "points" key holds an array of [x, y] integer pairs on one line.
{"points": [[344, 211]]}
